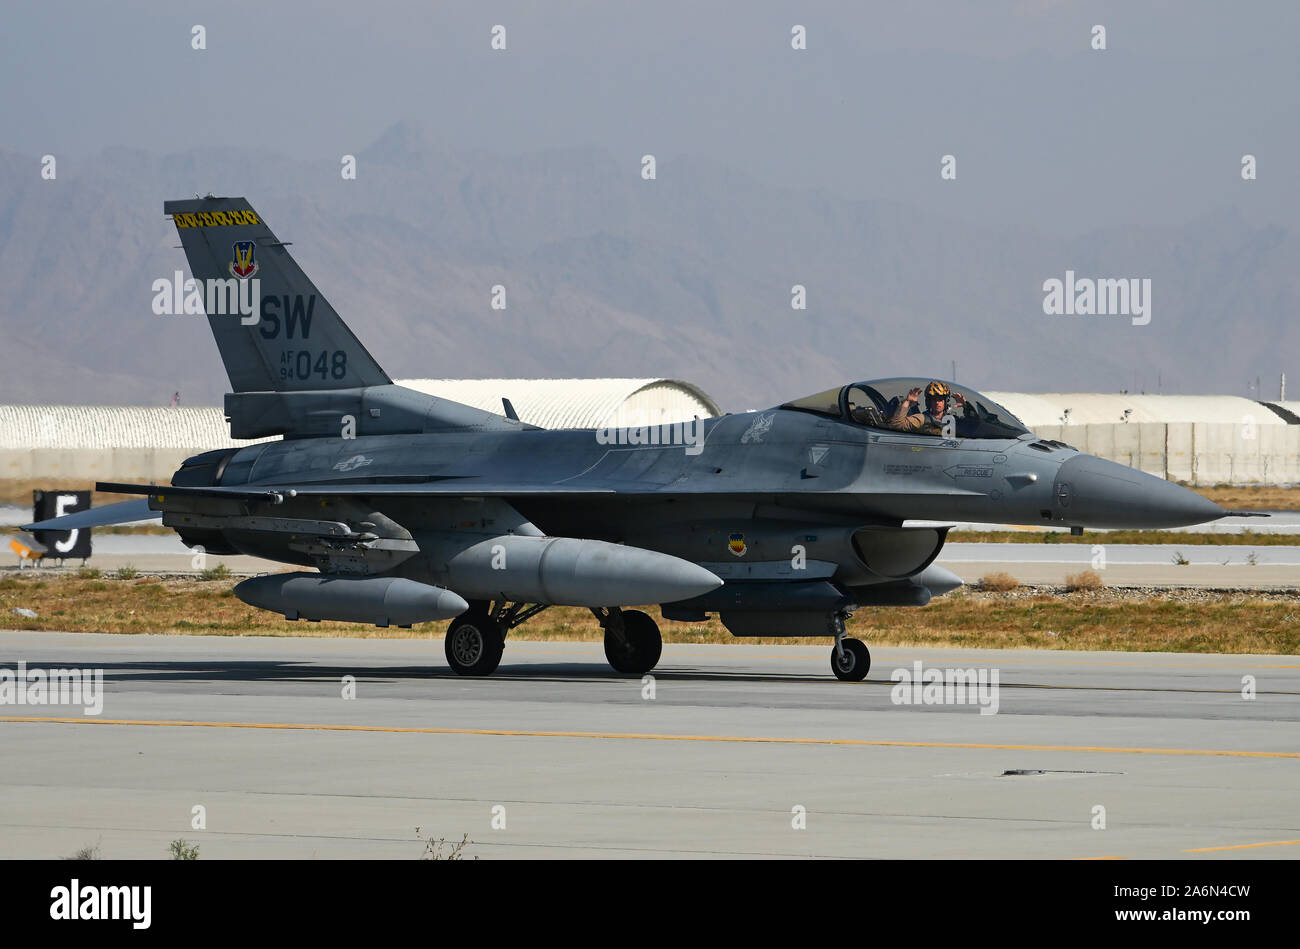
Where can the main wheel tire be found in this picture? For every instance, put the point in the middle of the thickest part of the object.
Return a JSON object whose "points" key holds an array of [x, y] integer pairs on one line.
{"points": [[640, 647], [856, 662], [474, 644]]}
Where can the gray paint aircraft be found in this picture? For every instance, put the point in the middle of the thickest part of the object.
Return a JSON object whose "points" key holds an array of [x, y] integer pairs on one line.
{"points": [[414, 509]]}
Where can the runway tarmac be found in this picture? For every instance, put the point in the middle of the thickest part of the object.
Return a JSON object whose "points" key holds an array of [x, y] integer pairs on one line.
{"points": [[1216, 566], [735, 740]]}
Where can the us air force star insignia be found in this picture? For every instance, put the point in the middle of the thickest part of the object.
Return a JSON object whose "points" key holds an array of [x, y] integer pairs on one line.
{"points": [[758, 429], [353, 463]]}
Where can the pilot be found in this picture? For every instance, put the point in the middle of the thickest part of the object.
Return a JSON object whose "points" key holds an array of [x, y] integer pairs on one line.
{"points": [[929, 422]]}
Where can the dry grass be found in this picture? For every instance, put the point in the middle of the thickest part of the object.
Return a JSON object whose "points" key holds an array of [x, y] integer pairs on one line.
{"points": [[88, 852], [1253, 497], [1168, 621], [1087, 580], [1106, 619], [998, 582]]}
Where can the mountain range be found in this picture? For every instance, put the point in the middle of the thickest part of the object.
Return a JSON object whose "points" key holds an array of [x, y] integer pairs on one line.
{"points": [[688, 275]]}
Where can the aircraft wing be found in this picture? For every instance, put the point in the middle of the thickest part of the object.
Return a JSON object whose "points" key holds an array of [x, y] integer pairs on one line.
{"points": [[276, 493], [450, 487]]}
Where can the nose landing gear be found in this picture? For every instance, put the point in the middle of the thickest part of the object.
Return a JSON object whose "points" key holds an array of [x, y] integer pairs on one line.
{"points": [[850, 658]]}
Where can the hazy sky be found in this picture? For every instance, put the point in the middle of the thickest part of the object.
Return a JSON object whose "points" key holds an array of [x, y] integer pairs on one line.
{"points": [[1048, 134]]}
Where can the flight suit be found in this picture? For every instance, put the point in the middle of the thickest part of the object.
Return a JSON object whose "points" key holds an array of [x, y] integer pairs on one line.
{"points": [[920, 422]]}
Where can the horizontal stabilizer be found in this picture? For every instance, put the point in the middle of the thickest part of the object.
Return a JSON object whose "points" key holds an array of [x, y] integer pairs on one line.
{"points": [[124, 512], [273, 495]]}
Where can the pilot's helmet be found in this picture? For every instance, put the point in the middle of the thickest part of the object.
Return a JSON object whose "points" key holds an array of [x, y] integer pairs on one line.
{"points": [[936, 390]]}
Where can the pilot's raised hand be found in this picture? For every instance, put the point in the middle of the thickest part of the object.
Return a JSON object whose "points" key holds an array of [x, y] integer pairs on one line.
{"points": [[914, 395]]}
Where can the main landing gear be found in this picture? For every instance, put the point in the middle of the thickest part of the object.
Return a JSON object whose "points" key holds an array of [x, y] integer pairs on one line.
{"points": [[632, 641], [850, 658], [476, 638]]}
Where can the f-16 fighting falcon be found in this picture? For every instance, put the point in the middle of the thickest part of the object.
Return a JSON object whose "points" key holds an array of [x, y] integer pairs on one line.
{"points": [[414, 509]]}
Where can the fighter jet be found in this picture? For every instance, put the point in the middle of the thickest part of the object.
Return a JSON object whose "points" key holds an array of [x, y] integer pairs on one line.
{"points": [[414, 509]]}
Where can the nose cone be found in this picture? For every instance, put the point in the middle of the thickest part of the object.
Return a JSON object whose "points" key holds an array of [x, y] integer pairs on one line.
{"points": [[1092, 492]]}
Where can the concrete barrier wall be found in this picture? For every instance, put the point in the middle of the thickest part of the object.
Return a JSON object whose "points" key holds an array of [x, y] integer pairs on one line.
{"points": [[141, 465], [1180, 452], [1200, 453]]}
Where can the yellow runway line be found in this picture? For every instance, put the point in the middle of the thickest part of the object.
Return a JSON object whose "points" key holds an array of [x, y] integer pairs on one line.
{"points": [[636, 736], [1271, 843]]}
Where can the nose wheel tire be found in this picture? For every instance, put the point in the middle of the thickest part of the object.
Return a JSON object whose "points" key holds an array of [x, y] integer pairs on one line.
{"points": [[637, 649], [854, 664], [474, 645]]}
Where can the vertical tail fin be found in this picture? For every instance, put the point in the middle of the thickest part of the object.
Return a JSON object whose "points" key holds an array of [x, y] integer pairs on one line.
{"points": [[294, 340]]}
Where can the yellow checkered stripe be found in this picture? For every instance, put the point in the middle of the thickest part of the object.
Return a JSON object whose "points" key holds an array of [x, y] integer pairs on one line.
{"points": [[215, 219]]}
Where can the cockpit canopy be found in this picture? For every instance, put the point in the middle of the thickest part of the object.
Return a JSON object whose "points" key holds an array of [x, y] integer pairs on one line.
{"points": [[887, 404]]}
